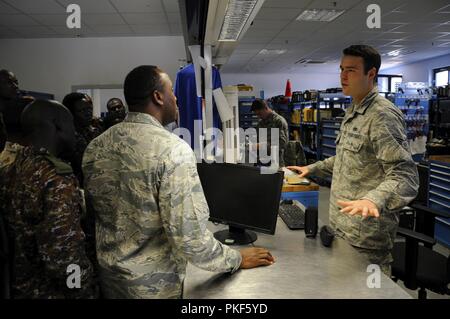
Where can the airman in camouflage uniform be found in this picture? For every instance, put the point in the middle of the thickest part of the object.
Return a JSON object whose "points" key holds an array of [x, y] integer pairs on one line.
{"points": [[373, 174], [270, 119], [151, 213], [41, 202]]}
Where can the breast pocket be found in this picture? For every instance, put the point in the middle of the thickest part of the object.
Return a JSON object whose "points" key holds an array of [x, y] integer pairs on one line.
{"points": [[353, 143]]}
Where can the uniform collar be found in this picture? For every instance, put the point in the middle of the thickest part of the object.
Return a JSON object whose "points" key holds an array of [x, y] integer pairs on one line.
{"points": [[367, 101], [144, 118]]}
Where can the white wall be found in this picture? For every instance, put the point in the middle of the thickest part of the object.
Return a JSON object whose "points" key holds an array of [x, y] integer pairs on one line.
{"points": [[275, 84], [421, 71], [55, 65]]}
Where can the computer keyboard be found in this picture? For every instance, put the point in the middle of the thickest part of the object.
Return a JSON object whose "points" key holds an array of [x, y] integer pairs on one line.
{"points": [[292, 215]]}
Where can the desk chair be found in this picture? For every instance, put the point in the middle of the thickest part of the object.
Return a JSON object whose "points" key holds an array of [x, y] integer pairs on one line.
{"points": [[419, 266]]}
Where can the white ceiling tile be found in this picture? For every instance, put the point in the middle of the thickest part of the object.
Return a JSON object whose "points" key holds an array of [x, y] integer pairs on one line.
{"points": [[256, 40], [51, 19], [91, 6], [7, 9], [286, 3], [174, 17], [102, 19], [278, 13], [171, 5], [33, 7], [16, 20], [435, 17], [337, 5], [138, 6], [144, 18]]}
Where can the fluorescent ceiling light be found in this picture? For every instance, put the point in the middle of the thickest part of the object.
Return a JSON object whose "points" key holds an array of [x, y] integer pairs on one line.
{"points": [[236, 16], [271, 52], [399, 52], [319, 15]]}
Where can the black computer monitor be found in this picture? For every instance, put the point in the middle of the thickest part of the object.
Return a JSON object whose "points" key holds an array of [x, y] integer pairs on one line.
{"points": [[241, 197]]}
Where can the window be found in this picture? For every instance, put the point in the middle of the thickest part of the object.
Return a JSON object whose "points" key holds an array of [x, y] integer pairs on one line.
{"points": [[388, 82], [441, 76]]}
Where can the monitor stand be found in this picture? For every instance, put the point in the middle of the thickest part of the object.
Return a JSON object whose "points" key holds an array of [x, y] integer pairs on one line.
{"points": [[235, 236]]}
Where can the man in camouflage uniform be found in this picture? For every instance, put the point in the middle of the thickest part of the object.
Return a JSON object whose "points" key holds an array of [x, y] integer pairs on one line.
{"points": [[116, 113], [151, 213], [373, 172], [270, 119], [86, 127], [41, 203]]}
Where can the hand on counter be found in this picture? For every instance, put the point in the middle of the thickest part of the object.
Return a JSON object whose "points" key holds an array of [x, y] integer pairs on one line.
{"points": [[302, 170], [254, 257], [363, 206]]}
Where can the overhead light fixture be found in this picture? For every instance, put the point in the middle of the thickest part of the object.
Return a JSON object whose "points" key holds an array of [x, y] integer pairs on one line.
{"points": [[399, 52], [323, 15], [271, 52], [236, 16]]}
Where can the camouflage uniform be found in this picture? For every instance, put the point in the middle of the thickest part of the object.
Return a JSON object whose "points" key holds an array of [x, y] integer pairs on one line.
{"points": [[275, 121], [9, 154], [41, 203], [373, 161], [150, 210], [83, 137]]}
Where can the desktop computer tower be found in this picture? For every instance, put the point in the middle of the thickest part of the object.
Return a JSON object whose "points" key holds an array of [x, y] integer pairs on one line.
{"points": [[311, 221]]}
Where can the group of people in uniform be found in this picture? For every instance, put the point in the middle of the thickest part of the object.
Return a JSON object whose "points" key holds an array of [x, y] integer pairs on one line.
{"points": [[125, 203]]}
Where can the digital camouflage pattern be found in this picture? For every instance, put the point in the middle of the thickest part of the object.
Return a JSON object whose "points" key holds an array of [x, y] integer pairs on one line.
{"points": [[40, 200], [83, 136], [278, 122], [151, 213], [373, 161]]}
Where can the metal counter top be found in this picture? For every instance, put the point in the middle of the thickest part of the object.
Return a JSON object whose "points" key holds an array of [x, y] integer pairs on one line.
{"points": [[304, 268]]}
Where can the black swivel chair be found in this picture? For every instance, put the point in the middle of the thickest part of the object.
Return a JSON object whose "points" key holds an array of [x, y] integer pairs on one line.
{"points": [[419, 266]]}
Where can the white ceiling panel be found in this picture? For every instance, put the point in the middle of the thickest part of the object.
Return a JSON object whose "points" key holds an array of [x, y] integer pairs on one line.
{"points": [[7, 9], [138, 6], [16, 20], [174, 17], [37, 6], [171, 5], [278, 13], [51, 19], [336, 5], [102, 19], [90, 6]]}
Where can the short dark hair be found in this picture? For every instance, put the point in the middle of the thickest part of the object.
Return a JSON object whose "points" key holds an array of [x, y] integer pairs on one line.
{"points": [[371, 57], [258, 104], [140, 84], [71, 98]]}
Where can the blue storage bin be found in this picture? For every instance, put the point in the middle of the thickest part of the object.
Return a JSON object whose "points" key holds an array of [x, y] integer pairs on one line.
{"points": [[306, 198]]}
